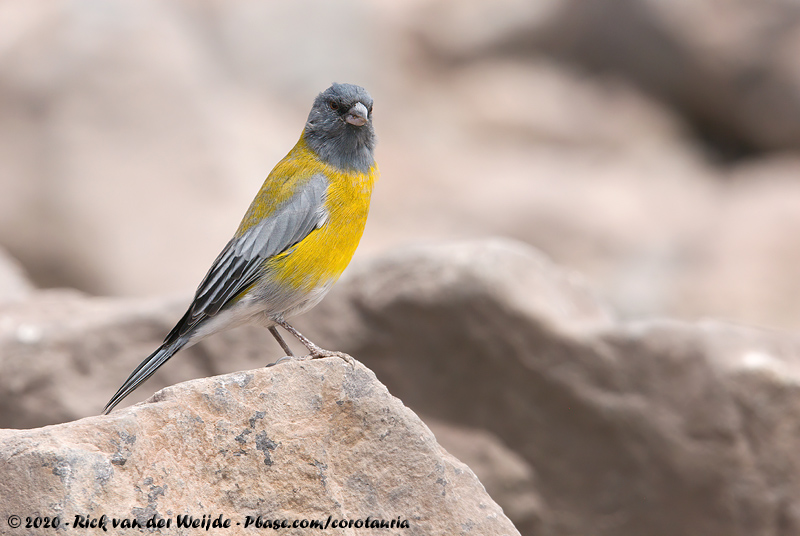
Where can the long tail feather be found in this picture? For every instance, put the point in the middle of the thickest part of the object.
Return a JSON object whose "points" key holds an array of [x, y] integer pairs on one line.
{"points": [[145, 369]]}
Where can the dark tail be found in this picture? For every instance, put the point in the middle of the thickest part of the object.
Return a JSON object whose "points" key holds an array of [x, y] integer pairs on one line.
{"points": [[145, 369]]}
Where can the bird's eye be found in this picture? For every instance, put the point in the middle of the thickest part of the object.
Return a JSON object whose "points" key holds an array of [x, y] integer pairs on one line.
{"points": [[334, 106], [369, 109]]}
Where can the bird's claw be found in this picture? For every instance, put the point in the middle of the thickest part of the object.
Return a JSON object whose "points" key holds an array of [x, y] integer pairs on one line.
{"points": [[317, 353], [282, 359]]}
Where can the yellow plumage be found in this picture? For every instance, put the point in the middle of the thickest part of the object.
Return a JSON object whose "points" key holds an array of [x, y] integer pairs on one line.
{"points": [[296, 238], [324, 254]]}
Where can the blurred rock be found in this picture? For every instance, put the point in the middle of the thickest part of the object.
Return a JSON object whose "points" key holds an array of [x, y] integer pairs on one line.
{"points": [[655, 428], [734, 76], [64, 354], [51, 344], [604, 427], [299, 441], [614, 192], [740, 264], [14, 284], [116, 125], [507, 477], [133, 138], [542, 102], [608, 182]]}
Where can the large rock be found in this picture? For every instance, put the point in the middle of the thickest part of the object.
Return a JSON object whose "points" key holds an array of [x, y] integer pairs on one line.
{"points": [[734, 76], [656, 427], [63, 354], [608, 427], [507, 477], [306, 440]]}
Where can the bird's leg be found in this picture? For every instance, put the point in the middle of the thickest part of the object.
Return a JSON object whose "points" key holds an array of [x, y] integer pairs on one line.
{"points": [[289, 355], [315, 351], [274, 331]]}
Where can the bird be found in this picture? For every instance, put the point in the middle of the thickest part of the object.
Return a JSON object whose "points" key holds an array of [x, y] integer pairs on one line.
{"points": [[295, 240]]}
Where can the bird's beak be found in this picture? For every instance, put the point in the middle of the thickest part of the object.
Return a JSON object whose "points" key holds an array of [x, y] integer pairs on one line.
{"points": [[357, 115]]}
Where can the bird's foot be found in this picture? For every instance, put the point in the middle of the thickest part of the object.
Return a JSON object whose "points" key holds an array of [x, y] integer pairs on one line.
{"points": [[319, 353], [282, 360], [316, 353]]}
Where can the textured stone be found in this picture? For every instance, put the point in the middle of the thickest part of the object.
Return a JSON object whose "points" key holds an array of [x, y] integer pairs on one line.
{"points": [[578, 422], [656, 427], [298, 441], [507, 477]]}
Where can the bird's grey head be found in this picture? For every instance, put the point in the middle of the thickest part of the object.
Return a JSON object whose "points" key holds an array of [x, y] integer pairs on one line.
{"points": [[339, 127]]}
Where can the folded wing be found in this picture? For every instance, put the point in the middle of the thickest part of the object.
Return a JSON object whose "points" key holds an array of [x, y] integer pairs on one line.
{"points": [[241, 261]]}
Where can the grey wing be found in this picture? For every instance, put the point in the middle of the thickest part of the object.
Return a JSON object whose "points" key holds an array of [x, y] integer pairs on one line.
{"points": [[240, 263]]}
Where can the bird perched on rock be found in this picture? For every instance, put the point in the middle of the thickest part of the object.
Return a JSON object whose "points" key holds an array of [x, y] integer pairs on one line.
{"points": [[295, 240]]}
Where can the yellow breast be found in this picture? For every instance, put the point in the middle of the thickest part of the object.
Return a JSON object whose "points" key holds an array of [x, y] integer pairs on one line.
{"points": [[323, 255]]}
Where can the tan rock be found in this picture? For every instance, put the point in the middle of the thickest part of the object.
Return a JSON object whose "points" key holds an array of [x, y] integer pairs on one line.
{"points": [[64, 354], [115, 127], [733, 76], [655, 428], [745, 254], [303, 440], [609, 427], [507, 477]]}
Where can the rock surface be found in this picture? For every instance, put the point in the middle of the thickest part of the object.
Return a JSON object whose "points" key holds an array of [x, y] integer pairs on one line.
{"points": [[655, 427], [303, 440], [577, 422], [507, 477], [65, 353]]}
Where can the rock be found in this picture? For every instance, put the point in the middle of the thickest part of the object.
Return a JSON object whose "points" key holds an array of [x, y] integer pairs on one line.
{"points": [[507, 477], [124, 171], [64, 354], [14, 285], [115, 126], [482, 275], [304, 440], [734, 77], [608, 427], [545, 103], [742, 256], [656, 427], [653, 228]]}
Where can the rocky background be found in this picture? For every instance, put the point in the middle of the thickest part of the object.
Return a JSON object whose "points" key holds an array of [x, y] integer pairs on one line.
{"points": [[651, 146], [650, 149]]}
